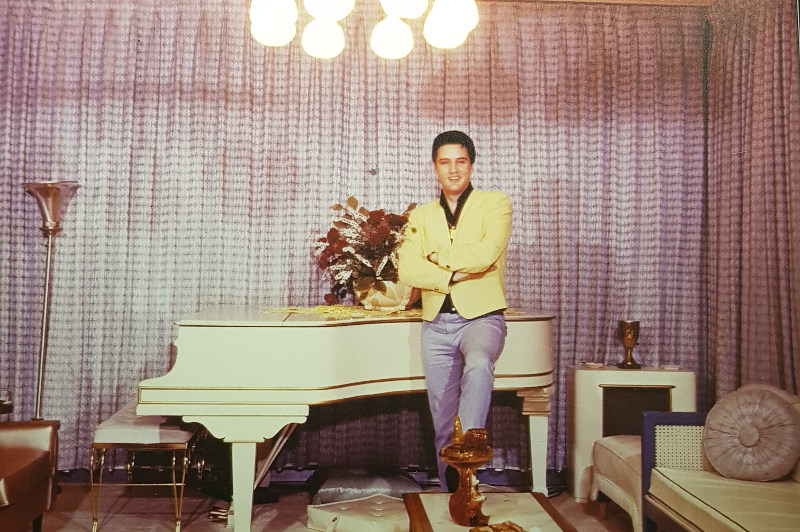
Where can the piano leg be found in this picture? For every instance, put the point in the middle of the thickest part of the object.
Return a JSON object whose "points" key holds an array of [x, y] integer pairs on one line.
{"points": [[243, 459], [243, 433], [536, 405]]}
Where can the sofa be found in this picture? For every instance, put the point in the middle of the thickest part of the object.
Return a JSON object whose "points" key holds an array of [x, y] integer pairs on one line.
{"points": [[28, 461], [735, 468]]}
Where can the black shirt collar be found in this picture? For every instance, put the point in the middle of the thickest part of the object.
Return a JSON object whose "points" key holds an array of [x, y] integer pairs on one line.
{"points": [[452, 218]]}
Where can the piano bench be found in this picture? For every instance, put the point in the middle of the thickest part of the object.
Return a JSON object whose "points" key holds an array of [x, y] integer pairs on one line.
{"points": [[136, 434]]}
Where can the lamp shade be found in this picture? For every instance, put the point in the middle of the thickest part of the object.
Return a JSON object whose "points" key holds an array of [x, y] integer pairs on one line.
{"points": [[52, 198]]}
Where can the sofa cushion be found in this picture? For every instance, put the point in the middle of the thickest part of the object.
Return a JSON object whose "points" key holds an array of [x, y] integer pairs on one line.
{"points": [[713, 502], [752, 434], [20, 470]]}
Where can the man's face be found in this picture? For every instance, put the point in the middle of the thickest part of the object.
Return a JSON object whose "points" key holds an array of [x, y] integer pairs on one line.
{"points": [[453, 169]]}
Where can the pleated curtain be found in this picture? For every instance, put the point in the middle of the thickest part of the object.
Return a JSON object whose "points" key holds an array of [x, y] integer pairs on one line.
{"points": [[208, 164], [754, 197]]}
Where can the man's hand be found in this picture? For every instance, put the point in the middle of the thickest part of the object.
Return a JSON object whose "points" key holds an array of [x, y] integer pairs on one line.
{"points": [[463, 276], [459, 276]]}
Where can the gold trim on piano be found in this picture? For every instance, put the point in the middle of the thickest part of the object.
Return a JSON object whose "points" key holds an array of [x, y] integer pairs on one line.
{"points": [[343, 312]]}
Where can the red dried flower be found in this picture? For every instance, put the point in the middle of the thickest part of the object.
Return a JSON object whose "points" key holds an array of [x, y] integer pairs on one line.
{"points": [[359, 251]]}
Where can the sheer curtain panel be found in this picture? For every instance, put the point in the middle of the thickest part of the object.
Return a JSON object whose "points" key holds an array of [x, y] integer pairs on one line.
{"points": [[208, 164]]}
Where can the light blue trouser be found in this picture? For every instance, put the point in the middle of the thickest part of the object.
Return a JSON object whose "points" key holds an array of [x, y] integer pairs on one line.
{"points": [[458, 356]]}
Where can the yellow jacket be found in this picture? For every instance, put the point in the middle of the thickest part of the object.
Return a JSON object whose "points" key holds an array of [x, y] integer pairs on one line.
{"points": [[478, 242]]}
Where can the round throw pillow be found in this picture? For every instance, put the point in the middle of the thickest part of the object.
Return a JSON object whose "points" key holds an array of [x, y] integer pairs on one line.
{"points": [[752, 434]]}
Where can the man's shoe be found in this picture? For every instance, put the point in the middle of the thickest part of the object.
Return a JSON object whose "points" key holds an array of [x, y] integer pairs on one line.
{"points": [[451, 476]]}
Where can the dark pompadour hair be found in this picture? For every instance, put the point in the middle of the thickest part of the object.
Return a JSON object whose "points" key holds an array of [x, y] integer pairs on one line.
{"points": [[454, 137]]}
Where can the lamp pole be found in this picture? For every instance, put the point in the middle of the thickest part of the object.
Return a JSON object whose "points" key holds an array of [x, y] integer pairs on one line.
{"points": [[52, 198]]}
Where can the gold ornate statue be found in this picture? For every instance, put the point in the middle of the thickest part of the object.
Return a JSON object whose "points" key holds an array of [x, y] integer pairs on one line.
{"points": [[467, 452]]}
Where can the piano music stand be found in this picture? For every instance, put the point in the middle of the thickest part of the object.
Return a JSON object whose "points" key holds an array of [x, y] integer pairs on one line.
{"points": [[136, 433]]}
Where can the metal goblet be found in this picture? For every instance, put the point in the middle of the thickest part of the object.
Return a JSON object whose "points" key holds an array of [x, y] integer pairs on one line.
{"points": [[628, 335]]}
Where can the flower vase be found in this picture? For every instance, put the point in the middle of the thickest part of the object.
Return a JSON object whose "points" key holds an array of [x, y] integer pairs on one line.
{"points": [[396, 296]]}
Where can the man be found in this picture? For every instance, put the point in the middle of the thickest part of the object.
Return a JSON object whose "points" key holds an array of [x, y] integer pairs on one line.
{"points": [[454, 251]]}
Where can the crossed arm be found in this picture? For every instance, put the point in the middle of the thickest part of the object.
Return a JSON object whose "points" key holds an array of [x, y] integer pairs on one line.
{"points": [[458, 275], [434, 264]]}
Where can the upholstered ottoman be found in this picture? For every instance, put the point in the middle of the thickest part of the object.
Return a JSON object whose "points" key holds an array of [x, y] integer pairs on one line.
{"points": [[376, 513], [617, 473], [357, 500]]}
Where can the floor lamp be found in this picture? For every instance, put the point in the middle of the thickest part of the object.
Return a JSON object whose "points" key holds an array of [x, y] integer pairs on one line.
{"points": [[52, 198]]}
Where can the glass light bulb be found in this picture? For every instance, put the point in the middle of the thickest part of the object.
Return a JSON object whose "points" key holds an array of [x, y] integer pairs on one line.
{"points": [[273, 32], [392, 38], [463, 13], [262, 10], [404, 8], [469, 13], [329, 9], [323, 39], [440, 31]]}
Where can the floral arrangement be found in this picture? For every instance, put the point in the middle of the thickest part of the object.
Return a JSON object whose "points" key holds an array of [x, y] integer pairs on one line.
{"points": [[359, 252]]}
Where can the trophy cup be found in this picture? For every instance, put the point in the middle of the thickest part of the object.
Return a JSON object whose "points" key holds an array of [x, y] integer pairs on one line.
{"points": [[628, 335]]}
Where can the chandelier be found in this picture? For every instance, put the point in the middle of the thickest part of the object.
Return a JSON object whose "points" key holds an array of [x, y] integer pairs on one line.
{"points": [[447, 25]]}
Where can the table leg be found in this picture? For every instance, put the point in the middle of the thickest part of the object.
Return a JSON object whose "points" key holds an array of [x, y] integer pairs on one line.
{"points": [[536, 405], [539, 428]]}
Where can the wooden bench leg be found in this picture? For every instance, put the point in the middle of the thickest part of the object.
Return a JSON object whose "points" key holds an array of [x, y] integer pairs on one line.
{"points": [[602, 506]]}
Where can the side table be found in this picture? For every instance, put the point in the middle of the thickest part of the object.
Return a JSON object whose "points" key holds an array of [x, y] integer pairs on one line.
{"points": [[607, 401], [6, 402]]}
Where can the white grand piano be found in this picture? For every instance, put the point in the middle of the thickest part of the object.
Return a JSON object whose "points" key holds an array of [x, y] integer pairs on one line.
{"points": [[250, 375]]}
